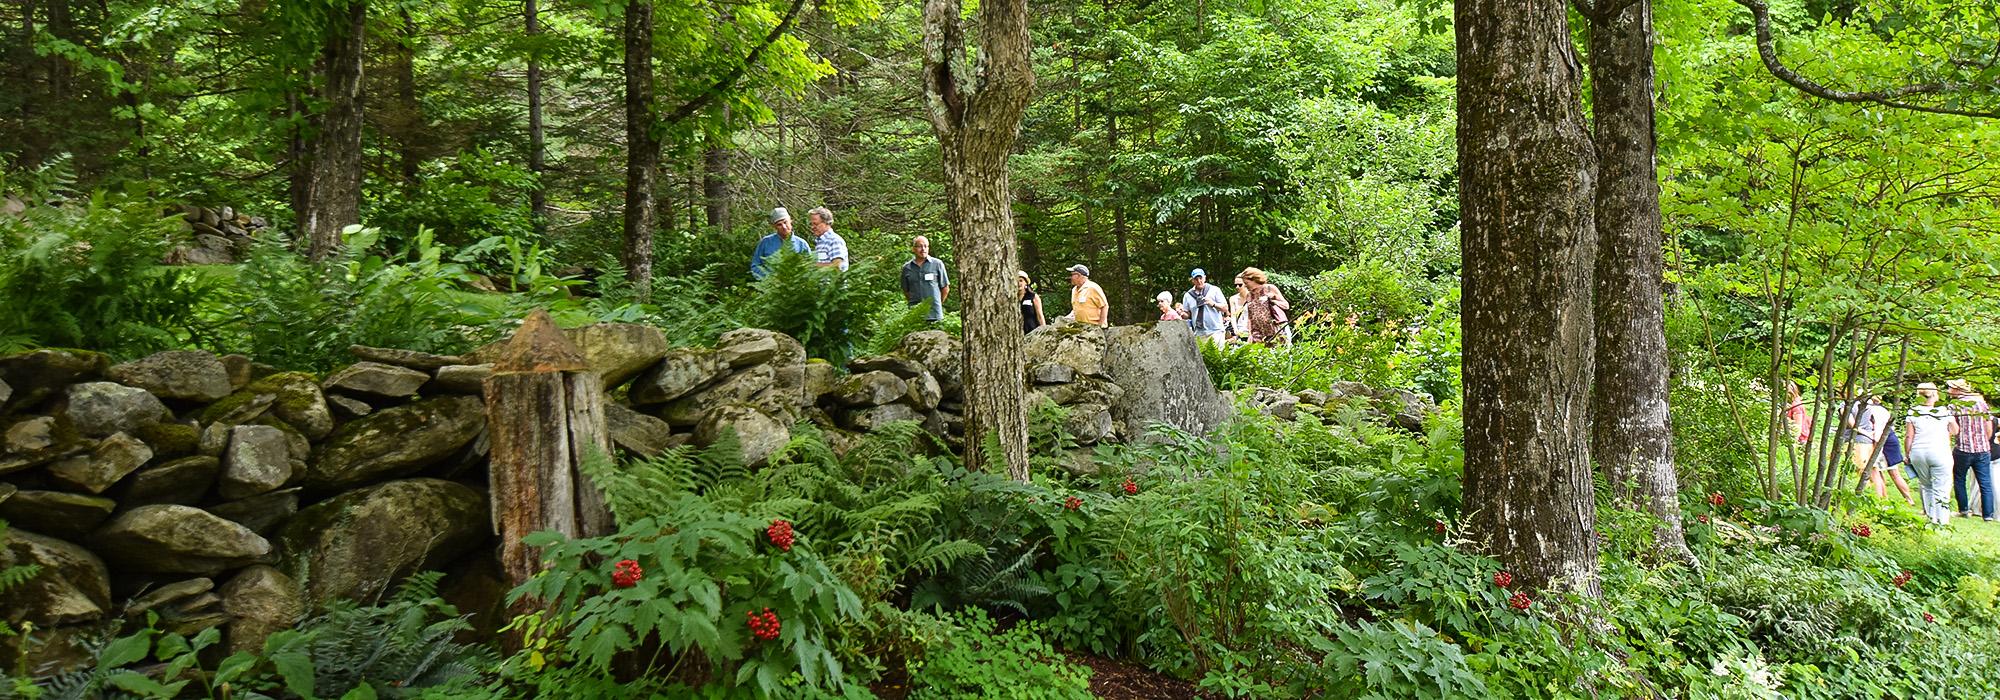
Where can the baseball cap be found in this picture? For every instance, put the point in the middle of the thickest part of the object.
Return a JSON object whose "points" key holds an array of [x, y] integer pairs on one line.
{"points": [[779, 214], [1198, 272], [1080, 269]]}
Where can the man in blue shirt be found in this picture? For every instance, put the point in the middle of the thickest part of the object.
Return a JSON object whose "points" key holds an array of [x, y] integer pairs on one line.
{"points": [[1205, 307], [781, 239], [829, 249]]}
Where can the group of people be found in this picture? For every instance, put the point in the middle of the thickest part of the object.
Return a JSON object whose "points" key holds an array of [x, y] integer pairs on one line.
{"points": [[1257, 313], [1937, 446]]}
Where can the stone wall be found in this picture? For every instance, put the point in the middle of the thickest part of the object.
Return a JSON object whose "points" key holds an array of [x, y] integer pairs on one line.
{"points": [[214, 491], [216, 235]]}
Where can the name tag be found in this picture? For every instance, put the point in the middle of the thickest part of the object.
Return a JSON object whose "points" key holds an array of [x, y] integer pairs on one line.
{"points": [[930, 277]]}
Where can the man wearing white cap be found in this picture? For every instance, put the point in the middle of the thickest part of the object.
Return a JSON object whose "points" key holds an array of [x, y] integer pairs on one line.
{"points": [[780, 239], [1206, 308], [1087, 303]]}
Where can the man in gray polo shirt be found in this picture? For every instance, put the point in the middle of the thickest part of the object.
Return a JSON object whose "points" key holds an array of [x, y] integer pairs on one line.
{"points": [[924, 279]]}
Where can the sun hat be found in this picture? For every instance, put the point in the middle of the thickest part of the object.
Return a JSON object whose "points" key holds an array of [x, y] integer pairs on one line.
{"points": [[1958, 384]]}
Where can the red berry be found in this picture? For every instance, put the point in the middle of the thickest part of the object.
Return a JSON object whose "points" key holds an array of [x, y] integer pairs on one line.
{"points": [[1438, 525], [1519, 601], [780, 534], [765, 626], [1072, 503], [1503, 579], [626, 573], [1131, 487], [1929, 617], [1703, 519], [1716, 499], [1861, 530]]}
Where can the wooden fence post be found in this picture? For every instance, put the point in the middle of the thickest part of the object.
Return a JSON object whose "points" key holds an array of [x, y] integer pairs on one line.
{"points": [[545, 414]]}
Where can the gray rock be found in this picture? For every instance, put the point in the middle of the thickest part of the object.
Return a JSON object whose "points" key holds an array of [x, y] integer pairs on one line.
{"points": [[1079, 346], [1313, 397], [1275, 403], [1163, 378], [1089, 423], [817, 378], [1084, 390], [190, 375], [298, 401], [71, 586], [239, 368], [39, 374], [873, 418], [680, 372], [238, 408], [460, 379], [6, 392], [358, 544], [618, 351], [749, 385], [637, 432], [925, 393], [112, 459], [259, 601], [1051, 373], [7, 491], [759, 434], [169, 595], [261, 513], [940, 353], [376, 379], [403, 358], [258, 460], [98, 409], [395, 442], [870, 389], [31, 435], [182, 481], [749, 346], [177, 539], [170, 439], [57, 513], [349, 408], [893, 364], [683, 412], [214, 439]]}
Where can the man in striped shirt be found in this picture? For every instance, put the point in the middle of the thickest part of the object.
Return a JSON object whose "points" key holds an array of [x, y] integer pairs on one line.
{"points": [[1975, 438]]}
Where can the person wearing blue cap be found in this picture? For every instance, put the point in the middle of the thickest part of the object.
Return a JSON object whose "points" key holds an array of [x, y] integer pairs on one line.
{"points": [[780, 239], [1206, 307]]}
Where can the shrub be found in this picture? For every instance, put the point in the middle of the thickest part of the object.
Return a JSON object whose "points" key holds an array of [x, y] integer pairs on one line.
{"points": [[974, 660]]}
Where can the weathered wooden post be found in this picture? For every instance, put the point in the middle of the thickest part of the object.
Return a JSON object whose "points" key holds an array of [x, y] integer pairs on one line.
{"points": [[545, 413]]}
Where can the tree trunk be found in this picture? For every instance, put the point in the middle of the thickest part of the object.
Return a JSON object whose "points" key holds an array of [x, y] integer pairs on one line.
{"points": [[538, 198], [1529, 244], [976, 113], [1631, 436], [642, 147], [333, 190], [715, 178], [410, 123]]}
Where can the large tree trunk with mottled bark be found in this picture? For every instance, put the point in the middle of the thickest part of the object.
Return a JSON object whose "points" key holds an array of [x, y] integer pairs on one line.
{"points": [[333, 188], [976, 112], [1631, 436], [538, 198], [1529, 243], [642, 146]]}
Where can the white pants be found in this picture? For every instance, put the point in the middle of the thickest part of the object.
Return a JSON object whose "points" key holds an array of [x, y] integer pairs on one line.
{"points": [[1934, 470], [1214, 339]]}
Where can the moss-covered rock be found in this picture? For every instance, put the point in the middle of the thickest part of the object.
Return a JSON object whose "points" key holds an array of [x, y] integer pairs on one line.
{"points": [[190, 375], [185, 481], [359, 544], [71, 586], [177, 539], [57, 513], [395, 442], [170, 439], [39, 374], [98, 409], [298, 402]]}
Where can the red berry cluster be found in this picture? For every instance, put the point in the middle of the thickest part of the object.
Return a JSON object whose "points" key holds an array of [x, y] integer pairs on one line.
{"points": [[1929, 617], [626, 573], [1503, 579], [1902, 578], [1131, 487], [1715, 499], [780, 533], [1072, 503], [1438, 525], [763, 626], [1703, 519], [1861, 530], [1519, 601]]}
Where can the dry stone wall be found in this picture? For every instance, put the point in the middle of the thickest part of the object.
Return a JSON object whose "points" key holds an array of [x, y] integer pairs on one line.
{"points": [[217, 492]]}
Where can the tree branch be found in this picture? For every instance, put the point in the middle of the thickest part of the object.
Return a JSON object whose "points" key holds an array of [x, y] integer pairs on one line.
{"points": [[692, 106], [1767, 49]]}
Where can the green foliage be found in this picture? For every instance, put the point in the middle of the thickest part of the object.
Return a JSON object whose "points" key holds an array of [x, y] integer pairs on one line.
{"points": [[975, 660], [84, 271], [821, 307]]}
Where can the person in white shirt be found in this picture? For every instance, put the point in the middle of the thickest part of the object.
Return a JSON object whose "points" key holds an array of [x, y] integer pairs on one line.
{"points": [[1928, 430]]}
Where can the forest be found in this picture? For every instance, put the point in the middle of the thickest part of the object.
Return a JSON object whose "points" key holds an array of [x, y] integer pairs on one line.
{"points": [[578, 349]]}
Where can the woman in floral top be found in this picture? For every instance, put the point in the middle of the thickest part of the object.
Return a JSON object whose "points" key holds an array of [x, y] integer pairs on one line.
{"points": [[1265, 305]]}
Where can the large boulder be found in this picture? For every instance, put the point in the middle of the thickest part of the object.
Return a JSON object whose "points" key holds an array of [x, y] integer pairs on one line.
{"points": [[190, 375], [177, 539], [98, 409], [395, 442], [1078, 346], [256, 461], [376, 379], [940, 353], [57, 513], [182, 481], [680, 372], [358, 544], [1163, 378], [260, 600], [71, 584], [798, 387], [759, 434], [39, 374], [1089, 423], [107, 463], [750, 346], [618, 351], [870, 389]]}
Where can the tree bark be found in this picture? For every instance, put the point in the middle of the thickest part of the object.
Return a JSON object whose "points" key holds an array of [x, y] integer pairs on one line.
{"points": [[642, 147], [1526, 178], [1631, 436], [976, 113], [538, 198], [715, 179], [410, 122], [333, 190]]}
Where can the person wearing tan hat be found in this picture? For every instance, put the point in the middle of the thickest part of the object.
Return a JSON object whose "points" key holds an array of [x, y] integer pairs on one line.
{"points": [[1928, 429], [1975, 438]]}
